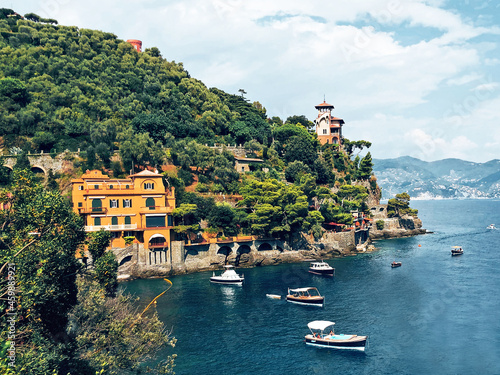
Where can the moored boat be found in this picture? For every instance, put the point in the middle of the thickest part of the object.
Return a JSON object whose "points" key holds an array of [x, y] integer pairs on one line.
{"points": [[319, 338], [321, 268], [396, 264], [228, 277], [305, 296], [456, 250]]}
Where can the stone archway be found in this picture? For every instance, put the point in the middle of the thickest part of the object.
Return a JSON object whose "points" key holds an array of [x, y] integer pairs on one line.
{"points": [[264, 246], [242, 254]]}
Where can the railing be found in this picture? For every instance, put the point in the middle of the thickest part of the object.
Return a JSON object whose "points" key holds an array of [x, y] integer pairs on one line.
{"points": [[93, 210], [95, 228]]}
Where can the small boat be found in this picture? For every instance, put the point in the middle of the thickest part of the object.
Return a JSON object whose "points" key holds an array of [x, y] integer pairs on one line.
{"points": [[321, 268], [456, 250], [396, 264], [305, 296], [317, 337], [273, 296], [228, 277], [491, 226]]}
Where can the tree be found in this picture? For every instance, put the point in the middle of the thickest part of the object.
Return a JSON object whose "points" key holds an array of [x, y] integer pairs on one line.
{"points": [[22, 162], [400, 206], [111, 334], [223, 217], [365, 167], [40, 235]]}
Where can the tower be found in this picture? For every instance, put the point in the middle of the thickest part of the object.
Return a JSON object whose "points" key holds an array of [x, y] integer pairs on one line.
{"points": [[328, 127], [137, 44]]}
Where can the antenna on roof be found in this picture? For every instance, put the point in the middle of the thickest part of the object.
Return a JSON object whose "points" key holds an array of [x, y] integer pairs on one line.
{"points": [[324, 98]]}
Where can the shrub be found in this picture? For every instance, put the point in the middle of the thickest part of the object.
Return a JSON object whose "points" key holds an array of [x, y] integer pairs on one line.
{"points": [[380, 224]]}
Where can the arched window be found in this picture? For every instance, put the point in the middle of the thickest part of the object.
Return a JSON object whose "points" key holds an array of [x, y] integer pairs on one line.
{"points": [[114, 220], [97, 221], [150, 202], [127, 220]]}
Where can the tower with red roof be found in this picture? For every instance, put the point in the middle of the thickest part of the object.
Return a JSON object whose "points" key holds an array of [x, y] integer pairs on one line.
{"points": [[328, 127]]}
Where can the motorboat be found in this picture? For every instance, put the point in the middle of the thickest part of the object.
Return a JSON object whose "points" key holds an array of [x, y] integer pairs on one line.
{"points": [[228, 277], [305, 296], [321, 268], [396, 264], [319, 338], [491, 226], [456, 250]]}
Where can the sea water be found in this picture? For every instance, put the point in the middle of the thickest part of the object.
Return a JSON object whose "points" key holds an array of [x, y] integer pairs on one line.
{"points": [[437, 314]]}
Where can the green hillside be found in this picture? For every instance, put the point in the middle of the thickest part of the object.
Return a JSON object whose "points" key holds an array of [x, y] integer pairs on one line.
{"points": [[66, 88]]}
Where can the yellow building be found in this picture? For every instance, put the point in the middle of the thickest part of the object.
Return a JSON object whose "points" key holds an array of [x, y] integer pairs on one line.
{"points": [[139, 207]]}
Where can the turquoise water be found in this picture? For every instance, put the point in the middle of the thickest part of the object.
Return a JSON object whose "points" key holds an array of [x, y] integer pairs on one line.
{"points": [[437, 314]]}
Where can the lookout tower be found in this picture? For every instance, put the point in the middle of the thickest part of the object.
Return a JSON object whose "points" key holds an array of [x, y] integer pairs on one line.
{"points": [[328, 127], [137, 44]]}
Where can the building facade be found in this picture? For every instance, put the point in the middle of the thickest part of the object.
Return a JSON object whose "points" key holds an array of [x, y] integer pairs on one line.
{"points": [[137, 209], [328, 127]]}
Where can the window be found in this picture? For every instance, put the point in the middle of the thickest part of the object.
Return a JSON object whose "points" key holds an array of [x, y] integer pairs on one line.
{"points": [[97, 221], [170, 221], [96, 205], [128, 233], [116, 234], [127, 203], [111, 186], [113, 203], [155, 221], [114, 220], [127, 187], [80, 204], [150, 202], [127, 220], [80, 187], [324, 131], [149, 185], [96, 187]]}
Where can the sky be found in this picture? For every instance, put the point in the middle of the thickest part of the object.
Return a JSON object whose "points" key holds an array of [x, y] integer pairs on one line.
{"points": [[414, 77]]}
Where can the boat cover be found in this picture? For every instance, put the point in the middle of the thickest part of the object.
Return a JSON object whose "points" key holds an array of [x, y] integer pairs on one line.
{"points": [[320, 324], [301, 290]]}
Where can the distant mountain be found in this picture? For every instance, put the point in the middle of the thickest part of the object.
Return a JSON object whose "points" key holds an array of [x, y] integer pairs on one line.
{"points": [[448, 178]]}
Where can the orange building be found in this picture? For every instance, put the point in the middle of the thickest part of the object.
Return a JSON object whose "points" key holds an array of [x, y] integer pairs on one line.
{"points": [[328, 127], [136, 43], [139, 207]]}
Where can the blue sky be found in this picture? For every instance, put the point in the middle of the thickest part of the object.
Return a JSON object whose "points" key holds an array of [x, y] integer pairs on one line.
{"points": [[414, 77]]}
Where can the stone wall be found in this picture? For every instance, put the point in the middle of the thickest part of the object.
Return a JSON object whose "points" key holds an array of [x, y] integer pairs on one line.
{"points": [[138, 261], [398, 227]]}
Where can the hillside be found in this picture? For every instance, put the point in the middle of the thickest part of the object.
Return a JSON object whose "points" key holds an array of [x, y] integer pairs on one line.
{"points": [[448, 178], [64, 87]]}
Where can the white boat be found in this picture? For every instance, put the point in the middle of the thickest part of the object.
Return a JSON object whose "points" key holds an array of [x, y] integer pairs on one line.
{"points": [[491, 226], [319, 338], [228, 277], [456, 250], [305, 296], [321, 268]]}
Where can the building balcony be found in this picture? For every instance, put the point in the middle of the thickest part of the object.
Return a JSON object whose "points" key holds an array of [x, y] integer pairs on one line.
{"points": [[156, 209], [111, 228], [93, 210]]}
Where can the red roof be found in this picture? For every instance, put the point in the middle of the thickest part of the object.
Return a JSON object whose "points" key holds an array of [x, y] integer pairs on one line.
{"points": [[323, 105]]}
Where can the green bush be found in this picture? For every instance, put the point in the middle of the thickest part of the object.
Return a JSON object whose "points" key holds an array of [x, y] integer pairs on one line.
{"points": [[380, 224]]}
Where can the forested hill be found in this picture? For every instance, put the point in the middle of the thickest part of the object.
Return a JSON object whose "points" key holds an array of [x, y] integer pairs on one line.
{"points": [[64, 87]]}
